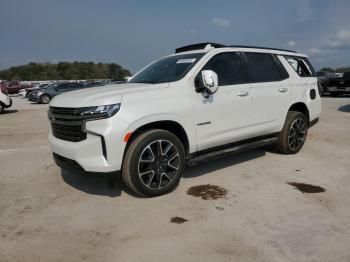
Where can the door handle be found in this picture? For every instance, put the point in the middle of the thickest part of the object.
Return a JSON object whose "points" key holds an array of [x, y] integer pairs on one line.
{"points": [[243, 93], [283, 90]]}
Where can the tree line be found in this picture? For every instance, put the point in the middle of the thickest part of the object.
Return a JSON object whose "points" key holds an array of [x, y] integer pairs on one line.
{"points": [[65, 71], [336, 70]]}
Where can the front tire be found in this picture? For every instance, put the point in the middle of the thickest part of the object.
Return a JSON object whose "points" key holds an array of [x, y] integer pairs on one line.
{"points": [[293, 135], [153, 163], [45, 99], [2, 108]]}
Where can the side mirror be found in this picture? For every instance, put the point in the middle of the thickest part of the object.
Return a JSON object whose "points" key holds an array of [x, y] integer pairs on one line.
{"points": [[207, 81]]}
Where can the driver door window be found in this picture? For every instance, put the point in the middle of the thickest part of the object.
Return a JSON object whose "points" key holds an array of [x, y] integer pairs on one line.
{"points": [[226, 66]]}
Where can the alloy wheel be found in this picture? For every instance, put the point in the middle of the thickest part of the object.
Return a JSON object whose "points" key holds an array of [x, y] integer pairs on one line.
{"points": [[158, 164], [297, 134], [45, 99]]}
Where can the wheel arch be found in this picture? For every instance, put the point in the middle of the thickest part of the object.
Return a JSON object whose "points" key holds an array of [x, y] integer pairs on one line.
{"points": [[45, 94], [171, 126], [302, 108]]}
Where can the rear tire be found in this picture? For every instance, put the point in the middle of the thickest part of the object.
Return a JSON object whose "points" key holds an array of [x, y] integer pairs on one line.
{"points": [[2, 108], [293, 135], [153, 163], [45, 99]]}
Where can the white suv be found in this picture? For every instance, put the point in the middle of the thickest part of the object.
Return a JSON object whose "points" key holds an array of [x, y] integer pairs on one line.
{"points": [[203, 101]]}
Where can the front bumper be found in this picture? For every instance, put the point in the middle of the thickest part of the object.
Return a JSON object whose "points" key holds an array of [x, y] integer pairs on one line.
{"points": [[9, 103], [33, 98], [103, 149], [73, 166]]}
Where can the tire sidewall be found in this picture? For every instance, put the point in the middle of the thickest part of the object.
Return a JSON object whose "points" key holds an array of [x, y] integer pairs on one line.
{"points": [[135, 155], [292, 116]]}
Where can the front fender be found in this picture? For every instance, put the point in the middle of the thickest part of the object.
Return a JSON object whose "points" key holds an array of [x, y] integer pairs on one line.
{"points": [[190, 131]]}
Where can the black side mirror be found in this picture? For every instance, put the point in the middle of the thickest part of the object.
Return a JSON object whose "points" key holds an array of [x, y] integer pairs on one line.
{"points": [[198, 83]]}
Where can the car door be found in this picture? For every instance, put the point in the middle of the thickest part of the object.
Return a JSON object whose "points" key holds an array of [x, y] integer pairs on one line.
{"points": [[71, 87], [270, 90], [222, 117]]}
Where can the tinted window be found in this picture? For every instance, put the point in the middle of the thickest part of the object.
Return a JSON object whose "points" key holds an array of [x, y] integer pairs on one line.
{"points": [[346, 75], [301, 66], [226, 67], [261, 67], [63, 86], [74, 85]]}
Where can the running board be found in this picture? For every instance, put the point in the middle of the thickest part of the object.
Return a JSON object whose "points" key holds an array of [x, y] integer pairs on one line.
{"points": [[231, 150]]}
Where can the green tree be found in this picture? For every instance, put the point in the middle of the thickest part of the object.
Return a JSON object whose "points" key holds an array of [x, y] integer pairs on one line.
{"points": [[65, 71]]}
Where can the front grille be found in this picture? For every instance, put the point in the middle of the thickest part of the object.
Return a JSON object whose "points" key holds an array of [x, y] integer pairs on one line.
{"points": [[67, 124]]}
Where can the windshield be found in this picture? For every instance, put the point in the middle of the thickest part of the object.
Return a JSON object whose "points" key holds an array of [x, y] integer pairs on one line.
{"points": [[168, 69], [49, 86]]}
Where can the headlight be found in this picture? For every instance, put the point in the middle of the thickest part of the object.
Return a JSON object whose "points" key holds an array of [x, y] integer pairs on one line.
{"points": [[104, 111]]}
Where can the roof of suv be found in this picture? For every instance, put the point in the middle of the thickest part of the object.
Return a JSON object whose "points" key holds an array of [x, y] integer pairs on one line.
{"points": [[209, 46]]}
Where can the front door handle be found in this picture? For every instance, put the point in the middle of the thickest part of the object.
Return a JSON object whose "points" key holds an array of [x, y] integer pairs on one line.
{"points": [[243, 93], [283, 89]]}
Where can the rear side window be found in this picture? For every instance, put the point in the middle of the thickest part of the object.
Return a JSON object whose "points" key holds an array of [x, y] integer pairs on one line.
{"points": [[301, 65], [346, 75], [262, 67], [225, 65]]}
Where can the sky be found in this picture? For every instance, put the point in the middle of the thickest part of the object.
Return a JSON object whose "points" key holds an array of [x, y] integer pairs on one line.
{"points": [[134, 33]]}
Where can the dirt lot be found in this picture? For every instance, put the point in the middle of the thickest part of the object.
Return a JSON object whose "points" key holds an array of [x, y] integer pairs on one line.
{"points": [[49, 215]]}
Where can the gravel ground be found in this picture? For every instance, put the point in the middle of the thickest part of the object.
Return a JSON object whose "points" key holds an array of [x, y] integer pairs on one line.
{"points": [[50, 215]]}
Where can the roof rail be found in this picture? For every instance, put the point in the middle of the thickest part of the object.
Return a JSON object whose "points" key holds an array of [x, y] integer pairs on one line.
{"points": [[261, 47], [197, 47], [200, 46]]}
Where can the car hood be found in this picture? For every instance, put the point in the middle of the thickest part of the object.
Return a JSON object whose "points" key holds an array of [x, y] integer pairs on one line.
{"points": [[102, 95]]}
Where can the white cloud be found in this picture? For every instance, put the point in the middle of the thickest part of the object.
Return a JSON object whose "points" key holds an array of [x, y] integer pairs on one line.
{"points": [[304, 11], [341, 40], [315, 51], [221, 22], [292, 43]]}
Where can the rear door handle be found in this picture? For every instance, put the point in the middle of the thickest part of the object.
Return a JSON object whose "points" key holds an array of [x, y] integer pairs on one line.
{"points": [[243, 93], [283, 89]]}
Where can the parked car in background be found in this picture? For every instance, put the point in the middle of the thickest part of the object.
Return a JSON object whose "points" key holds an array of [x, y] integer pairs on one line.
{"points": [[25, 92], [5, 100], [93, 83], [323, 81], [44, 95], [339, 85], [13, 87], [204, 101], [116, 82]]}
